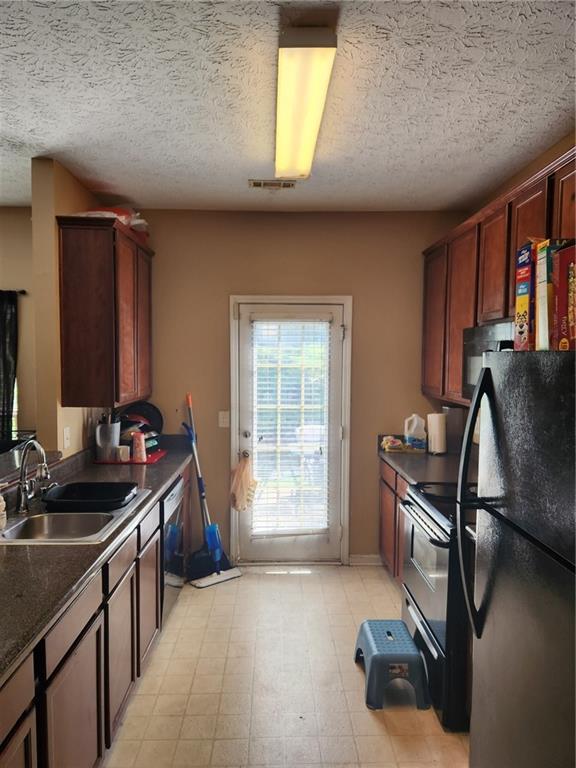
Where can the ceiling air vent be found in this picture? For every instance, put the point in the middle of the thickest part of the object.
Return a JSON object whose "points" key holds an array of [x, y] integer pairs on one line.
{"points": [[272, 184]]}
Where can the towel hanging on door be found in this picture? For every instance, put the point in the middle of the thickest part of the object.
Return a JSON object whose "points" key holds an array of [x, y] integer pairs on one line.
{"points": [[243, 485]]}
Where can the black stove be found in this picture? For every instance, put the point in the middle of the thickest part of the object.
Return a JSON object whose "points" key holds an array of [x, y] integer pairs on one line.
{"points": [[433, 607], [439, 501]]}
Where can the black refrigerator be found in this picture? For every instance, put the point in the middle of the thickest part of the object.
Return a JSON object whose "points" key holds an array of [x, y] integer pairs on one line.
{"points": [[520, 587]]}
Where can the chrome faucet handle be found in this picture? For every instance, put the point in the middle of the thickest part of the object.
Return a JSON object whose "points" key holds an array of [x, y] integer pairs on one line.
{"points": [[28, 489], [42, 472]]}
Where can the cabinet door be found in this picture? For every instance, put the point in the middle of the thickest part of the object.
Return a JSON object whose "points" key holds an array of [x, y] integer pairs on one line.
{"points": [[493, 267], [435, 266], [528, 219], [74, 711], [563, 223], [87, 340], [387, 525], [461, 312], [148, 597], [20, 751], [144, 326], [126, 320], [120, 650]]}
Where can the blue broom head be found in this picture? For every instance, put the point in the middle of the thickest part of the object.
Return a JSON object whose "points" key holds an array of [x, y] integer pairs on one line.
{"points": [[214, 544]]}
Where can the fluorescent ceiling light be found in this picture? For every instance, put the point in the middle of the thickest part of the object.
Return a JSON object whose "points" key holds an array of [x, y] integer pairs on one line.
{"points": [[305, 60]]}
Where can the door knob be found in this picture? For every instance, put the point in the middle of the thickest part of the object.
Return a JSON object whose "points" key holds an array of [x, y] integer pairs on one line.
{"points": [[246, 434]]}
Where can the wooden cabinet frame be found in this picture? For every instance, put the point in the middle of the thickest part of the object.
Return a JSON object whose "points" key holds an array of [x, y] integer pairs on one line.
{"points": [[563, 203], [120, 649], [20, 751], [540, 206], [460, 308], [149, 605], [105, 313], [434, 321], [493, 266], [83, 671]]}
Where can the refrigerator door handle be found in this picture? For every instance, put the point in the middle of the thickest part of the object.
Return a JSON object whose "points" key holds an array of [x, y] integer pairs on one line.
{"points": [[483, 387], [467, 585]]}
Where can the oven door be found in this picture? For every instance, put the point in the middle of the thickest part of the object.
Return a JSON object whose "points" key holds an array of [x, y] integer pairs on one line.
{"points": [[425, 568], [430, 651]]}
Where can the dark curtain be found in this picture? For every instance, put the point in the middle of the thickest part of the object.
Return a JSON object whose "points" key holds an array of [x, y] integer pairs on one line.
{"points": [[8, 358]]}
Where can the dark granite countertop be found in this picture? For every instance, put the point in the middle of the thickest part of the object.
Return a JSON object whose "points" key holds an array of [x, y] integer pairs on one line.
{"points": [[423, 467], [37, 582]]}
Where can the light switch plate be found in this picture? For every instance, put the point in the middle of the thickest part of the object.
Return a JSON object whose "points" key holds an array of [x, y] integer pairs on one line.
{"points": [[67, 437], [224, 419]]}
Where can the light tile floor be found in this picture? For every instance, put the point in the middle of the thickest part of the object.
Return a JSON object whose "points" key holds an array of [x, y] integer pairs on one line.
{"points": [[259, 672]]}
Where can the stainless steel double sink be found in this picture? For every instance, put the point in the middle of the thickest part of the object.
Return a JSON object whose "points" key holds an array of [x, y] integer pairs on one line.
{"points": [[70, 527]]}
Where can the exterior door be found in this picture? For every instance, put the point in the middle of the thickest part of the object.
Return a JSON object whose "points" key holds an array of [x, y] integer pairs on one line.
{"points": [[290, 422]]}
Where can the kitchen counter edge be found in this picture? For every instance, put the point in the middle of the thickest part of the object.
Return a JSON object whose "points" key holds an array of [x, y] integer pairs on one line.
{"points": [[9, 666]]}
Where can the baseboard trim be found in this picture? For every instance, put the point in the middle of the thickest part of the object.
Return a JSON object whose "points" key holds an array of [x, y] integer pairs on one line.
{"points": [[365, 560]]}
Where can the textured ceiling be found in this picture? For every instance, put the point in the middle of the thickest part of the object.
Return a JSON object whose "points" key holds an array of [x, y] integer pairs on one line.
{"points": [[172, 104]]}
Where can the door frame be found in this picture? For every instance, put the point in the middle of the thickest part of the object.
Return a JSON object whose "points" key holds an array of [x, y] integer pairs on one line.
{"points": [[346, 302]]}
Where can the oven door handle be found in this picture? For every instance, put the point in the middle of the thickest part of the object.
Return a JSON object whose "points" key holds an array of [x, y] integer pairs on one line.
{"points": [[424, 635], [433, 540]]}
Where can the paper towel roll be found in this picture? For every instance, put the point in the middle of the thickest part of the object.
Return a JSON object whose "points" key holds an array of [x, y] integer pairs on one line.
{"points": [[437, 433]]}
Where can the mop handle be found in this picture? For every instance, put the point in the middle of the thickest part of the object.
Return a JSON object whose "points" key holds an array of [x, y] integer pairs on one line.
{"points": [[191, 430], [190, 413]]}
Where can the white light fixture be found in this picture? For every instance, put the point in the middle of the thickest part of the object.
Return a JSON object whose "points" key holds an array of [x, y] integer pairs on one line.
{"points": [[305, 60]]}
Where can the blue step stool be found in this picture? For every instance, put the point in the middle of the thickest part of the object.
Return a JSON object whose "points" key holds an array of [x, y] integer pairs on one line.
{"points": [[390, 653]]}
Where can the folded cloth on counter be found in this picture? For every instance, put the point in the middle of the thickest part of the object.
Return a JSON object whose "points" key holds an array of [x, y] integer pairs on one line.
{"points": [[243, 485]]}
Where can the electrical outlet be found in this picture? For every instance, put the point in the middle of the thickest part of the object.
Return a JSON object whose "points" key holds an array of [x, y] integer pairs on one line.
{"points": [[67, 437], [224, 419]]}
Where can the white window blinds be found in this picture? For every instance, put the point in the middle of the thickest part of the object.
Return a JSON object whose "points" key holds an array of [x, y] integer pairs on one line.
{"points": [[290, 406]]}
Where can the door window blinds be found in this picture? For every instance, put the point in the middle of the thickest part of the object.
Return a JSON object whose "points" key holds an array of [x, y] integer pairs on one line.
{"points": [[290, 426]]}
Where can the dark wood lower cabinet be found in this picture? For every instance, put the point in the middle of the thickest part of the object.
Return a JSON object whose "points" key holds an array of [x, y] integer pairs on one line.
{"points": [[74, 705], [20, 751], [387, 525], [148, 564], [120, 650]]}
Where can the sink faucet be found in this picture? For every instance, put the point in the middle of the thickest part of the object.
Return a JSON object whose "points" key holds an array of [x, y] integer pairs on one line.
{"points": [[28, 489]]}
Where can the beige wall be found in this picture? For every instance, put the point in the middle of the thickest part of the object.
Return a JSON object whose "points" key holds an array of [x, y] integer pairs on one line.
{"points": [[203, 258], [556, 150], [55, 192], [16, 274]]}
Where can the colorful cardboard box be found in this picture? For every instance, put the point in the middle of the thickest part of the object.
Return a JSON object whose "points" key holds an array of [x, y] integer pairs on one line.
{"points": [[545, 295], [524, 320], [564, 283]]}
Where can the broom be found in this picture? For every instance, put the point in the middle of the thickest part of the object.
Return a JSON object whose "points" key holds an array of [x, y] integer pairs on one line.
{"points": [[209, 564]]}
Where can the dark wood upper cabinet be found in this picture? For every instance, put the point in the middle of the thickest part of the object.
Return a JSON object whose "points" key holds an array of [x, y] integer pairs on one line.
{"points": [[528, 216], [564, 206], [461, 306], [74, 705], [434, 316], [493, 267], [459, 295], [105, 313], [126, 320], [144, 358]]}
